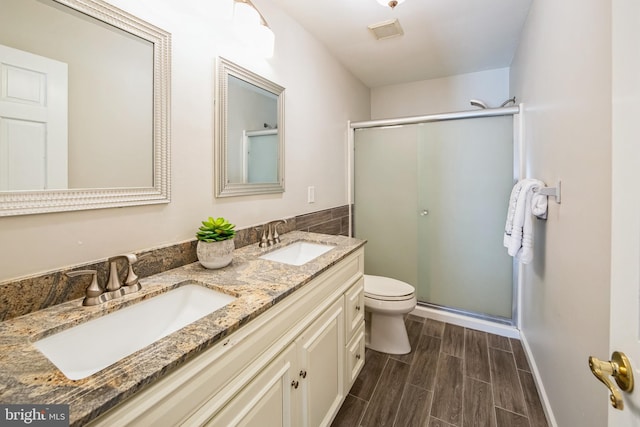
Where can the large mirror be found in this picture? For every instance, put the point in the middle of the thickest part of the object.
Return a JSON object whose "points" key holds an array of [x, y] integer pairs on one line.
{"points": [[84, 107], [249, 139]]}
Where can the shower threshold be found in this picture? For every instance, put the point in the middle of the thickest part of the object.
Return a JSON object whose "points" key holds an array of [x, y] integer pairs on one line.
{"points": [[486, 317]]}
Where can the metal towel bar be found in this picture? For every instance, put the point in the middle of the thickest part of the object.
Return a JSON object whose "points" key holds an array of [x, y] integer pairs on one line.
{"points": [[552, 191]]}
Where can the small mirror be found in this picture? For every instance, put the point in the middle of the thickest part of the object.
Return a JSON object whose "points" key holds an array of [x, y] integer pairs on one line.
{"points": [[249, 140]]}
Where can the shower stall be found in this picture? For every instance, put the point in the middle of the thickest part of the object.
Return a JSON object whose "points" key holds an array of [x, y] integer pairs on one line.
{"points": [[430, 196]]}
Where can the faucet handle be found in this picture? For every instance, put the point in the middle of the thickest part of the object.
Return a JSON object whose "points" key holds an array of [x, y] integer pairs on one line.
{"points": [[132, 277], [276, 236], [93, 290]]}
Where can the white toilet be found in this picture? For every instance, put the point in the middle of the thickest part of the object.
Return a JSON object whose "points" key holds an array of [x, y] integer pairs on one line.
{"points": [[386, 301]]}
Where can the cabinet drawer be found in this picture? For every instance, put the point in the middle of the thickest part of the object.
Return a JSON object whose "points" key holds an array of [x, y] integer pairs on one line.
{"points": [[354, 308], [355, 356]]}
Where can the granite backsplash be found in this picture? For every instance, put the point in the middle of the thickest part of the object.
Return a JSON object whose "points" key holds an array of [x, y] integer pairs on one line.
{"points": [[28, 294]]}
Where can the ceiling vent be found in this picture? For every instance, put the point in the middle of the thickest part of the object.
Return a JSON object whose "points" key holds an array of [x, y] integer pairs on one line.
{"points": [[386, 29]]}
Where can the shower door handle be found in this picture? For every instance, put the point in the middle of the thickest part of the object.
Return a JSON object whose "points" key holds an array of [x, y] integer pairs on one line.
{"points": [[424, 212]]}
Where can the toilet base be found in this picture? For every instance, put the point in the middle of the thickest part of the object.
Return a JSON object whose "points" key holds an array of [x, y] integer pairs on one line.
{"points": [[388, 334]]}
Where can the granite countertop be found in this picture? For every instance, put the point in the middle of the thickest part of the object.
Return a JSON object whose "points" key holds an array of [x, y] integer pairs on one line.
{"points": [[28, 377]]}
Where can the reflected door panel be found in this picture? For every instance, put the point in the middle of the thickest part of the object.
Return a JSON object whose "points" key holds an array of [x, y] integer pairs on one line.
{"points": [[33, 121]]}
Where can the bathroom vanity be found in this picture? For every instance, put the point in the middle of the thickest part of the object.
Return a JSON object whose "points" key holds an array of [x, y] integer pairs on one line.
{"points": [[284, 352]]}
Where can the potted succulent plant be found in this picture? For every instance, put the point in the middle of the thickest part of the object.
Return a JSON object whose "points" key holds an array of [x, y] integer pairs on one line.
{"points": [[215, 243]]}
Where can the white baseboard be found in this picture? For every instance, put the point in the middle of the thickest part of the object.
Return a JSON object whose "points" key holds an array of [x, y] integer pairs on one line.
{"points": [[467, 322], [544, 398]]}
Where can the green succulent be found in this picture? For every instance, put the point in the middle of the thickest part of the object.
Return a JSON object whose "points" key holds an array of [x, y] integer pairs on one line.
{"points": [[215, 230]]}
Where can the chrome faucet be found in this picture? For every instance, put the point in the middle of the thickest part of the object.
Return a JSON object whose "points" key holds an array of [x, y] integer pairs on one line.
{"points": [[95, 294]]}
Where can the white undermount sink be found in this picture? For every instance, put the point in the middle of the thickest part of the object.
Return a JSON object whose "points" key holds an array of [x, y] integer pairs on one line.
{"points": [[298, 253], [89, 347]]}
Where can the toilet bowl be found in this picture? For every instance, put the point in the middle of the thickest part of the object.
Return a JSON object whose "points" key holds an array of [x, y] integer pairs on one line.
{"points": [[386, 301]]}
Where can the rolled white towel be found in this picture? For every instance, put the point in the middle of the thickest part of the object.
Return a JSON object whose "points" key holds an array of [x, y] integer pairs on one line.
{"points": [[511, 211], [519, 241]]}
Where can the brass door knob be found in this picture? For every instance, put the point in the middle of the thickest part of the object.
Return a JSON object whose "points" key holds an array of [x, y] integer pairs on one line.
{"points": [[620, 369]]}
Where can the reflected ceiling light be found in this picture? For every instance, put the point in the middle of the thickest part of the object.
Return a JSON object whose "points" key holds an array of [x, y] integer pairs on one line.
{"points": [[390, 3], [252, 28]]}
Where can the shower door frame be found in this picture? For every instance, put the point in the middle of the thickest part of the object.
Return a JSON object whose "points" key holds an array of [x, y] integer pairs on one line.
{"points": [[518, 168]]}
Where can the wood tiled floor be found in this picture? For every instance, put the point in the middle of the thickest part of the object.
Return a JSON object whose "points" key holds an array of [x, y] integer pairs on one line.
{"points": [[453, 376]]}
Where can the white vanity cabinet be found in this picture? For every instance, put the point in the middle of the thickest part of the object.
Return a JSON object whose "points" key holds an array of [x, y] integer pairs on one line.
{"points": [[291, 366]]}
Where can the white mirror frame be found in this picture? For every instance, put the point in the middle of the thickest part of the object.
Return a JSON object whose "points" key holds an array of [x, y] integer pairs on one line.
{"points": [[224, 188], [34, 202]]}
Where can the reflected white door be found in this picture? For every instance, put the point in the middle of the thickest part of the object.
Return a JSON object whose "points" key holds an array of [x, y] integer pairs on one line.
{"points": [[33, 121], [625, 243]]}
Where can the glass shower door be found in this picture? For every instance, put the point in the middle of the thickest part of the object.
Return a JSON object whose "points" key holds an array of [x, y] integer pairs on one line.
{"points": [[466, 174], [431, 201]]}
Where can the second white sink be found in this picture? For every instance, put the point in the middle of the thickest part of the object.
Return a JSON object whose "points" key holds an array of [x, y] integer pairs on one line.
{"points": [[89, 347], [297, 253]]}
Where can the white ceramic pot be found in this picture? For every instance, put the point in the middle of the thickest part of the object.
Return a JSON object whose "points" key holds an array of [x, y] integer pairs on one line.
{"points": [[214, 255]]}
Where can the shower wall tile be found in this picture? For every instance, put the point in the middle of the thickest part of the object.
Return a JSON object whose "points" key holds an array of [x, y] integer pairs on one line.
{"points": [[28, 294]]}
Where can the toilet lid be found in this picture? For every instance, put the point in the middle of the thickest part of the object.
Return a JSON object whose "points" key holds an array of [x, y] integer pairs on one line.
{"points": [[387, 288]]}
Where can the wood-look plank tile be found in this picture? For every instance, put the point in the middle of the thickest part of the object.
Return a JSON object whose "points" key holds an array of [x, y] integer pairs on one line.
{"points": [[414, 407], [414, 330], [507, 392], [434, 422], [476, 355], [365, 383], [478, 404], [498, 341], [425, 362], [415, 318], [433, 328], [537, 417], [453, 340], [509, 419], [384, 403], [519, 355], [447, 395], [350, 412]]}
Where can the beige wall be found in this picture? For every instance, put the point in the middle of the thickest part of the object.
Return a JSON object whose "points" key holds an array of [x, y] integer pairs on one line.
{"points": [[321, 97], [440, 95], [562, 73]]}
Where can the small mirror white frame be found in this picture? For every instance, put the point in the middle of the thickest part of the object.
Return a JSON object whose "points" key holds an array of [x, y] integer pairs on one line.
{"points": [[43, 201], [224, 186]]}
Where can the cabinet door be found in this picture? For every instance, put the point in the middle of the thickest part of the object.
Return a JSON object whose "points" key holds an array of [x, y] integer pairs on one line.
{"points": [[267, 401], [321, 350], [355, 357]]}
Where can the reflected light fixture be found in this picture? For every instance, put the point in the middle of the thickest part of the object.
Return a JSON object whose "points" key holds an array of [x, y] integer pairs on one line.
{"points": [[252, 28], [390, 3]]}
